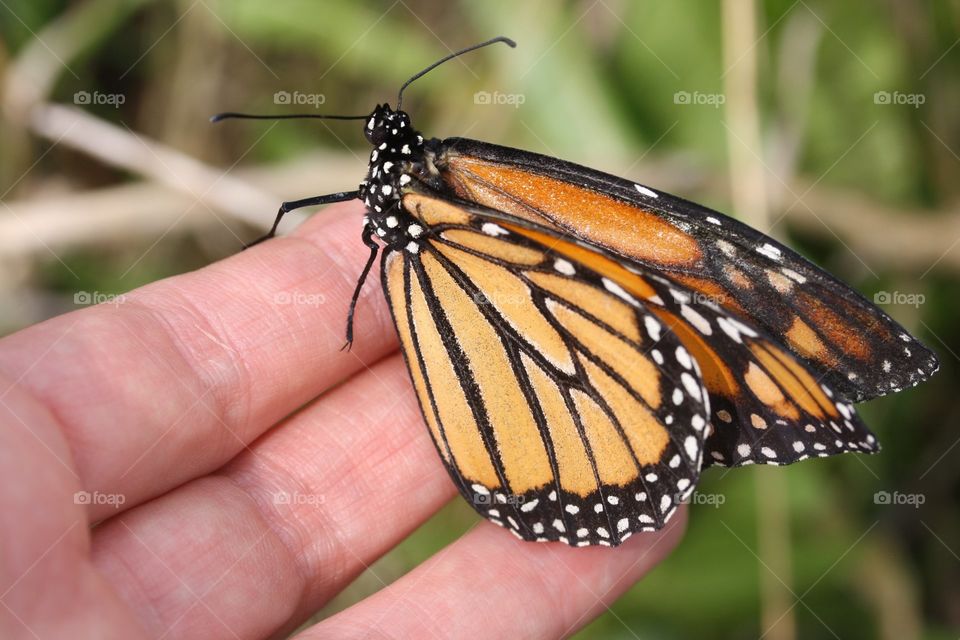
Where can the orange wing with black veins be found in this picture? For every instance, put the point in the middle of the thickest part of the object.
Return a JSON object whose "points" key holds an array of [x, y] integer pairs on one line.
{"points": [[837, 334]]}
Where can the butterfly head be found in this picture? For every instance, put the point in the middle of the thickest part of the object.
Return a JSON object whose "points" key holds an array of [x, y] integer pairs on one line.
{"points": [[386, 126]]}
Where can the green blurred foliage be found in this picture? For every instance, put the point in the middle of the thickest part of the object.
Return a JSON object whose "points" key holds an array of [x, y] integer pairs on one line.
{"points": [[598, 82]]}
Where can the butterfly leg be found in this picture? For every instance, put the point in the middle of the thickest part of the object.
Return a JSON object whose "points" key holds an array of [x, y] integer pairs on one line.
{"points": [[374, 247], [299, 204]]}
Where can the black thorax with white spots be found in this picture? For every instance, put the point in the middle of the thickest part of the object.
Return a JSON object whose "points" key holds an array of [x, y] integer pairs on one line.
{"points": [[398, 153]]}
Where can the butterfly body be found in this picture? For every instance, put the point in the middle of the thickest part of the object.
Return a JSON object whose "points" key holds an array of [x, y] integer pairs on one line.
{"points": [[398, 153]]}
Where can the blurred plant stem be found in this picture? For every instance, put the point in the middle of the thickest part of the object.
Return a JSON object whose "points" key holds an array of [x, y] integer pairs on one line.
{"points": [[744, 142], [32, 75], [887, 584], [210, 187], [795, 80], [749, 194], [179, 101], [777, 619]]}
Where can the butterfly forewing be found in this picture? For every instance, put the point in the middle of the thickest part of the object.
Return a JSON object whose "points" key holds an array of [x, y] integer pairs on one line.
{"points": [[856, 348], [563, 409]]}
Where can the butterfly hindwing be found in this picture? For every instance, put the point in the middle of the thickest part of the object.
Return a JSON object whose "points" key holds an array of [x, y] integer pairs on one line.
{"points": [[854, 346], [766, 405], [561, 409]]}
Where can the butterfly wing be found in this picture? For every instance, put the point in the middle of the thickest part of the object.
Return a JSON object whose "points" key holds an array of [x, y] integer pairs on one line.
{"points": [[854, 346], [546, 393], [765, 405]]}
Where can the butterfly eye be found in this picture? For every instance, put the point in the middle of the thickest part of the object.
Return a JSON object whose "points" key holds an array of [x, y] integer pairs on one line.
{"points": [[374, 129], [378, 134]]}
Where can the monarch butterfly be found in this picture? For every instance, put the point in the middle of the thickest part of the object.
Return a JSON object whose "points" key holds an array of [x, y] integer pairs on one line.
{"points": [[582, 346]]}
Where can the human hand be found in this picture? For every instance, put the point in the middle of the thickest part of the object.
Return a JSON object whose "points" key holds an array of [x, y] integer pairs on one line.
{"points": [[158, 411]]}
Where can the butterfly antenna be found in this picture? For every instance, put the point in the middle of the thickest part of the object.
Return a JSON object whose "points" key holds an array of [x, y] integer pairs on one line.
{"points": [[453, 55], [228, 115]]}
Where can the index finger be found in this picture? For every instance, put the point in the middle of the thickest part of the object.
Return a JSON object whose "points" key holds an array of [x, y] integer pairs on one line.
{"points": [[490, 585], [179, 376]]}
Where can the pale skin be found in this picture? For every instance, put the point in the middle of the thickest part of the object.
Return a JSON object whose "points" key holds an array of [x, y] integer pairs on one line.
{"points": [[179, 399]]}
